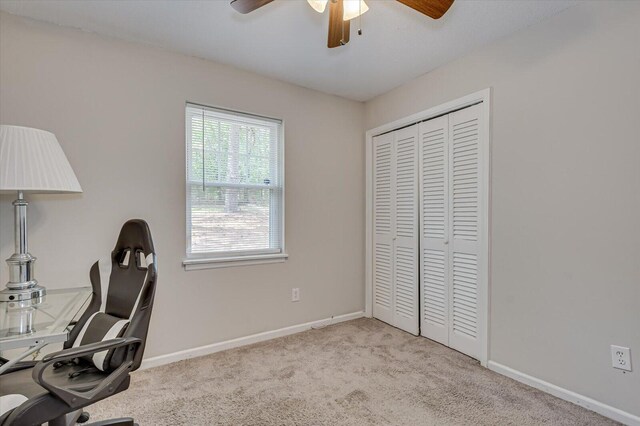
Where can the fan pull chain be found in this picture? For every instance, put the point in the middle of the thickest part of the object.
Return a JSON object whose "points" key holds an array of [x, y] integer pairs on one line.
{"points": [[360, 18]]}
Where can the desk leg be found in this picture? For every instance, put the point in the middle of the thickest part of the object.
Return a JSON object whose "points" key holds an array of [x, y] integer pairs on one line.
{"points": [[7, 365]]}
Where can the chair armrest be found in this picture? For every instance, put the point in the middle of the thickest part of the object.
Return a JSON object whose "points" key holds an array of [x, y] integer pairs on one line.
{"points": [[75, 394]]}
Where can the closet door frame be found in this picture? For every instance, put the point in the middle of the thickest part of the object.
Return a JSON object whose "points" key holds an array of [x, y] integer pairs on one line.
{"points": [[483, 97]]}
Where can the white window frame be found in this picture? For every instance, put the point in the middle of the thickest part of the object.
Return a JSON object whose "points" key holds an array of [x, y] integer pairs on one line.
{"points": [[235, 258]]}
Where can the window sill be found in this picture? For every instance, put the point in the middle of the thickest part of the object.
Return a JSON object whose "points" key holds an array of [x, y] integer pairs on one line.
{"points": [[226, 262]]}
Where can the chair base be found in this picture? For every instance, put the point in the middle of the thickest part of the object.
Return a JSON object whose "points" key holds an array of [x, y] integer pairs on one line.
{"points": [[79, 416], [123, 421], [83, 418]]}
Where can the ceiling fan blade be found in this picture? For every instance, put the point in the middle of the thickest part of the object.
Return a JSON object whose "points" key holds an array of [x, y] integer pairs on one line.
{"points": [[432, 8], [338, 29], [246, 6]]}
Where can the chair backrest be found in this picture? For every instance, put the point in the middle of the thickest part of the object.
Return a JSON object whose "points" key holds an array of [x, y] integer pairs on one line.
{"points": [[124, 289]]}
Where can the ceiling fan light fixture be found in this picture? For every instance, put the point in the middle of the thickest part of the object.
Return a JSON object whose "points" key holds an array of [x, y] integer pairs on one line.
{"points": [[353, 9], [318, 5]]}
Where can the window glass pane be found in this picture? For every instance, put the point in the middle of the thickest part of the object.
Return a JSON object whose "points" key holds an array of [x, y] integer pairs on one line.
{"points": [[234, 152], [195, 154], [233, 219]]}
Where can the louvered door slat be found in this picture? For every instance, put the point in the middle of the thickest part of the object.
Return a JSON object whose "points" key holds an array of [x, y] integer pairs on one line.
{"points": [[383, 223], [383, 275], [406, 175], [465, 202], [433, 155], [382, 182], [406, 237], [464, 162]]}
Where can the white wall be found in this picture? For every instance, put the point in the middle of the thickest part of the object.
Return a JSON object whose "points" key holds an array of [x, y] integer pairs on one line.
{"points": [[117, 109], [566, 192]]}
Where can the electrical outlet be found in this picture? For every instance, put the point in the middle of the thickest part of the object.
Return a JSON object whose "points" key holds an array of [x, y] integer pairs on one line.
{"points": [[295, 294], [621, 357]]}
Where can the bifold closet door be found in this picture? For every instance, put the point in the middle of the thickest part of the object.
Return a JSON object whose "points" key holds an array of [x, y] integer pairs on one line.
{"points": [[451, 197], [406, 274], [434, 228], [384, 227], [395, 217], [466, 204]]}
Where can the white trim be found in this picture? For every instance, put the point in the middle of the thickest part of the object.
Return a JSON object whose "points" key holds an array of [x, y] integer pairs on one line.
{"points": [[104, 270], [232, 112], [232, 254], [144, 286], [573, 397], [483, 96], [368, 249], [99, 357], [233, 185], [243, 341], [225, 262], [473, 98]]}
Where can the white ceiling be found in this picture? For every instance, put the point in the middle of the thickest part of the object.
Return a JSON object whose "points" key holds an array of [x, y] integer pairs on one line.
{"points": [[286, 39]]}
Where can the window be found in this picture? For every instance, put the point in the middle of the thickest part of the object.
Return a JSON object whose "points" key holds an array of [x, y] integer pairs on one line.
{"points": [[235, 197]]}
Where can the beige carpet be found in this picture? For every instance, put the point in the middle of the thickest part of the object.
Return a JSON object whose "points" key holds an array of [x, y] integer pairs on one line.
{"points": [[361, 372]]}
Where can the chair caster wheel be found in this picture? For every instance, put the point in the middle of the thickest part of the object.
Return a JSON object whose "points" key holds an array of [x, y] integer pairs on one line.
{"points": [[84, 417]]}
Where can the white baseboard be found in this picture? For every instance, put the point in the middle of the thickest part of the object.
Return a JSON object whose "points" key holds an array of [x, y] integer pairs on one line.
{"points": [[157, 361], [581, 400]]}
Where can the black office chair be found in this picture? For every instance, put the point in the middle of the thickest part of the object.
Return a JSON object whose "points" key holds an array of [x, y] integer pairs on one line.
{"points": [[106, 344]]}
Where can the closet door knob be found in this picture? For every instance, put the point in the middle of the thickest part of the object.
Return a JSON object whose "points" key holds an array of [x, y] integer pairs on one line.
{"points": [[446, 242]]}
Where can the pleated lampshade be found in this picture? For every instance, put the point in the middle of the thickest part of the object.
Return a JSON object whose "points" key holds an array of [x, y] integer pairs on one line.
{"points": [[31, 160]]}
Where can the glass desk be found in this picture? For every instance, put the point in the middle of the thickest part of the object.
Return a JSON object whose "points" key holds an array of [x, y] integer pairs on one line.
{"points": [[35, 323]]}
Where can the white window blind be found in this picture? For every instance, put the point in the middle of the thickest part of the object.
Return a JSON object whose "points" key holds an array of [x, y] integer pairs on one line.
{"points": [[234, 184]]}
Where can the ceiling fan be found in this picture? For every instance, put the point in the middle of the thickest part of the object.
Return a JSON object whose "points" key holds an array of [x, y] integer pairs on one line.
{"points": [[341, 12]]}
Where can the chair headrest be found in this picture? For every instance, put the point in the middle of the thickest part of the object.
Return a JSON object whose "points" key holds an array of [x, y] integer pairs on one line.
{"points": [[134, 236]]}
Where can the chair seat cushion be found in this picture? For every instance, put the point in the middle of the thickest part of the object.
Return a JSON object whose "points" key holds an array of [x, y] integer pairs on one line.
{"points": [[11, 401], [20, 382], [42, 406], [14, 387], [100, 327]]}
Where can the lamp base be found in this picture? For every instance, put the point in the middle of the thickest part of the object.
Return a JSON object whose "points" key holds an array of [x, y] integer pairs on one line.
{"points": [[22, 285], [17, 295]]}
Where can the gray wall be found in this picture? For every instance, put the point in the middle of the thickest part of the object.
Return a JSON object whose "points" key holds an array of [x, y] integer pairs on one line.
{"points": [[117, 109], [566, 192]]}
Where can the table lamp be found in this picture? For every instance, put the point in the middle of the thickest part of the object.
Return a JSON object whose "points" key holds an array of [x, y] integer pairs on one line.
{"points": [[31, 161]]}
